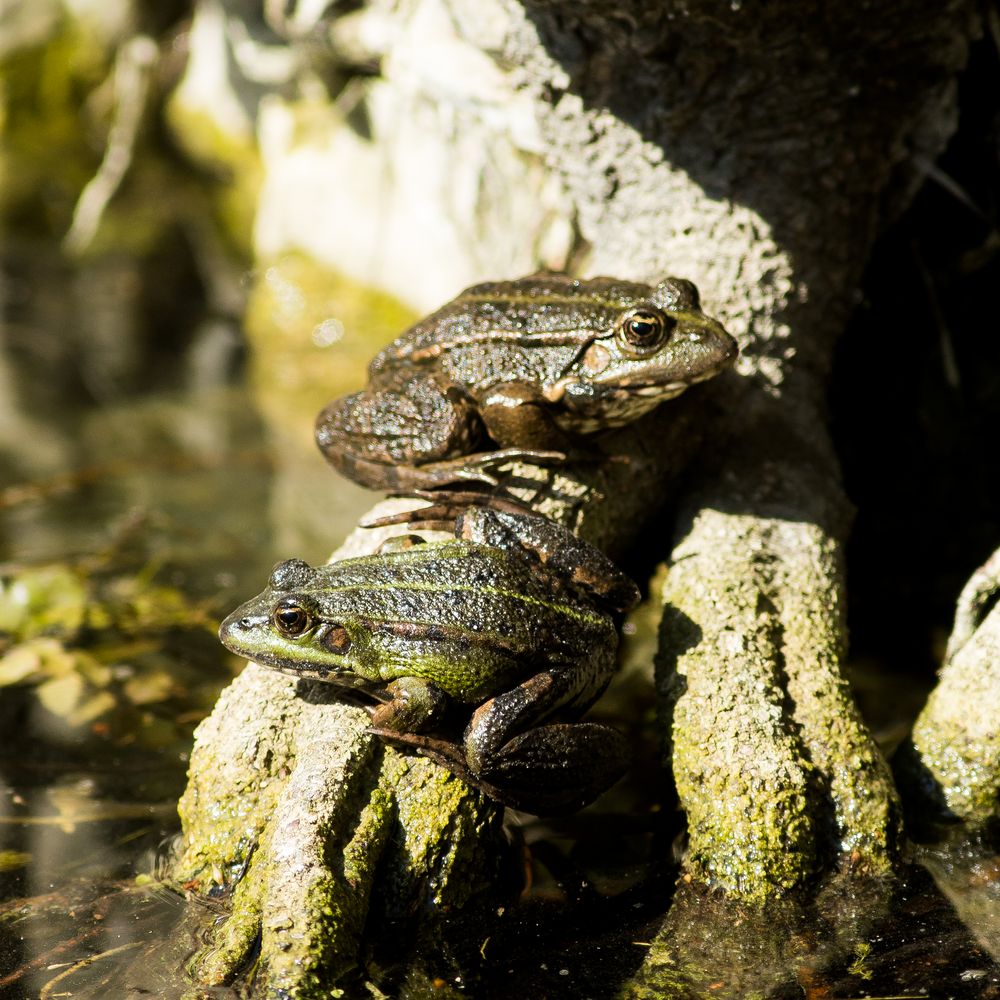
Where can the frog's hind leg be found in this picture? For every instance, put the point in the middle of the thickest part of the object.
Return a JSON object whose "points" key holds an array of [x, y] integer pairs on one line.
{"points": [[476, 467], [382, 437], [557, 768], [413, 437], [548, 770], [556, 547], [554, 767], [495, 723]]}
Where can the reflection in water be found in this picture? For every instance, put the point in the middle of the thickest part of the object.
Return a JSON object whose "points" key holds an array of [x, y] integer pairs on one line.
{"points": [[141, 493]]}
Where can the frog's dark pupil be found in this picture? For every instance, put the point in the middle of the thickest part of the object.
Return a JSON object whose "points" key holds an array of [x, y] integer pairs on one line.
{"points": [[291, 619], [643, 328]]}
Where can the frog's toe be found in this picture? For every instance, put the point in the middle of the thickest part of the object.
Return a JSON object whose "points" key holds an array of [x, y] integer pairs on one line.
{"points": [[445, 507], [474, 475], [445, 753], [535, 457]]}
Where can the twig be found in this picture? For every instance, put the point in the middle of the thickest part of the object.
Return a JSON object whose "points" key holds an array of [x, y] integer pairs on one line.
{"points": [[46, 991], [135, 59]]}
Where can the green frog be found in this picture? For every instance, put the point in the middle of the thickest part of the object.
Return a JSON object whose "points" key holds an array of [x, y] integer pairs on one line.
{"points": [[519, 370], [515, 620]]}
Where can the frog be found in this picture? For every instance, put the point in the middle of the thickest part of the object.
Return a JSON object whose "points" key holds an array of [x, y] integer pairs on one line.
{"points": [[511, 625], [523, 370]]}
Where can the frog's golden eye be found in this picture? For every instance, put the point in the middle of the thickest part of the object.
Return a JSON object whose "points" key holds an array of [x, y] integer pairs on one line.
{"points": [[291, 619], [643, 330]]}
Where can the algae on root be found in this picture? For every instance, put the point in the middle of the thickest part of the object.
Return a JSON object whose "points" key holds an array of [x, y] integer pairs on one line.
{"points": [[774, 767]]}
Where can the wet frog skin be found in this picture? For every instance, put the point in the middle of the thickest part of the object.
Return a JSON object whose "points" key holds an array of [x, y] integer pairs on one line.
{"points": [[480, 621], [519, 370]]}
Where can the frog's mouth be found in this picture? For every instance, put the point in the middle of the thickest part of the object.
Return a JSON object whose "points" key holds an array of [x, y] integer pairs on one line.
{"points": [[646, 390]]}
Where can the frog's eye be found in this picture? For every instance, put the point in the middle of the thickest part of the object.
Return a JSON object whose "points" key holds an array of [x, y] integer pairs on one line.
{"points": [[291, 619], [643, 330]]}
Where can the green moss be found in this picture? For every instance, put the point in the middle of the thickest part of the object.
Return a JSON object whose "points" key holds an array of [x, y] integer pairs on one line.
{"points": [[235, 940], [765, 738], [313, 332], [231, 160], [859, 967], [306, 955], [223, 824]]}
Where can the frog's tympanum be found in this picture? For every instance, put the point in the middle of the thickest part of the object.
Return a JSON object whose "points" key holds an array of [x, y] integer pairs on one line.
{"points": [[513, 621], [519, 370]]}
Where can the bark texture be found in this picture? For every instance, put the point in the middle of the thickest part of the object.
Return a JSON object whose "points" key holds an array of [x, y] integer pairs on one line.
{"points": [[759, 153]]}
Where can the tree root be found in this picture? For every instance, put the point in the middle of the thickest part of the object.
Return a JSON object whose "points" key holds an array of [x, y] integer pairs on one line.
{"points": [[950, 768]]}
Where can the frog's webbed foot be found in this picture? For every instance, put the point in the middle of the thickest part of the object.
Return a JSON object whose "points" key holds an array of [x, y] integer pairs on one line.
{"points": [[482, 466], [407, 479], [445, 507], [548, 770], [558, 768], [449, 755]]}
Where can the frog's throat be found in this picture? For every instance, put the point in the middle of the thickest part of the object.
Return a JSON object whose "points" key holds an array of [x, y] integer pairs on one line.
{"points": [[330, 673]]}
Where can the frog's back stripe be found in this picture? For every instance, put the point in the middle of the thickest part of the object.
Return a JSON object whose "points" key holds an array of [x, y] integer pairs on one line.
{"points": [[577, 614], [563, 337], [544, 298], [458, 636]]}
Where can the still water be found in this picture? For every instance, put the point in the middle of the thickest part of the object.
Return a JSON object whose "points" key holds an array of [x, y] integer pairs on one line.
{"points": [[142, 495]]}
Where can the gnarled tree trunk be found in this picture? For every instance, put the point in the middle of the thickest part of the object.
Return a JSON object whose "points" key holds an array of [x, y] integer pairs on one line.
{"points": [[755, 151]]}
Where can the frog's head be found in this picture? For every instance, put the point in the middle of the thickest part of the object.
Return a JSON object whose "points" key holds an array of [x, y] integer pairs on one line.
{"points": [[659, 345], [284, 628]]}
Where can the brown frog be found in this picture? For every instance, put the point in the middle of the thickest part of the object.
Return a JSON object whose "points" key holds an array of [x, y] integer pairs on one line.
{"points": [[519, 370]]}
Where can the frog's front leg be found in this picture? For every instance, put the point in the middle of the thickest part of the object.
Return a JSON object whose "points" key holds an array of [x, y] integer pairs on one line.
{"points": [[413, 704], [518, 416]]}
